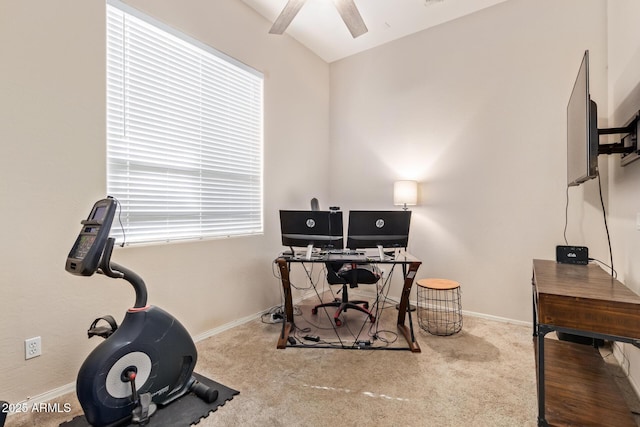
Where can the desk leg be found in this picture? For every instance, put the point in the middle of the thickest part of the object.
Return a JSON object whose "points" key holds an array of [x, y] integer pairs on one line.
{"points": [[542, 331], [283, 338], [288, 303], [534, 306], [404, 305]]}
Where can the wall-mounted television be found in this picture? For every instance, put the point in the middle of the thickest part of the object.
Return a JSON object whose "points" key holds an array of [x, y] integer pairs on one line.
{"points": [[583, 145], [582, 130]]}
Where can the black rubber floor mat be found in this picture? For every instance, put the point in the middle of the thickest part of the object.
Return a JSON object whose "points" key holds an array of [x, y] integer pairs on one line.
{"points": [[185, 411]]}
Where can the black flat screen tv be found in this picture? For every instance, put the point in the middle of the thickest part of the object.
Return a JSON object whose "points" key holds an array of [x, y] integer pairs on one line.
{"points": [[320, 229], [582, 130], [372, 229]]}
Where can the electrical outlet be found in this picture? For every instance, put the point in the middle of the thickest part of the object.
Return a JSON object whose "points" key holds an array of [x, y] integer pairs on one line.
{"points": [[32, 348]]}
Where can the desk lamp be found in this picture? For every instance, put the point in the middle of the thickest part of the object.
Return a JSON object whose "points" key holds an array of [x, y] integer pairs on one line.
{"points": [[405, 193]]}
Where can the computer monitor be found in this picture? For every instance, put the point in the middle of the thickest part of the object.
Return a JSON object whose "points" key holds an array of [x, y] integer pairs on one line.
{"points": [[378, 229], [317, 229]]}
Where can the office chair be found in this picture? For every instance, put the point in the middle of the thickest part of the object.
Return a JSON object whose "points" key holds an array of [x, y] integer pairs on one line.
{"points": [[349, 276]]}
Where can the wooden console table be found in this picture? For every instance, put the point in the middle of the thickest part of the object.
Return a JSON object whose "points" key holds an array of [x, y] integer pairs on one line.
{"points": [[574, 387]]}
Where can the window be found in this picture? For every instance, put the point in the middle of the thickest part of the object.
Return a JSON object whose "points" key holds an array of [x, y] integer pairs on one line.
{"points": [[184, 134]]}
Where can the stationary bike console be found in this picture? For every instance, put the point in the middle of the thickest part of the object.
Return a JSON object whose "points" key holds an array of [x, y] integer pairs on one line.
{"points": [[148, 360], [85, 255]]}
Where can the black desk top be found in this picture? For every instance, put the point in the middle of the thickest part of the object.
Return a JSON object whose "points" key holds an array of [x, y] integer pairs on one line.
{"points": [[358, 257]]}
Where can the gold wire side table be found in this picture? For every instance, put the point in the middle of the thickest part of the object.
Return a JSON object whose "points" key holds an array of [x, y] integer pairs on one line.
{"points": [[439, 306]]}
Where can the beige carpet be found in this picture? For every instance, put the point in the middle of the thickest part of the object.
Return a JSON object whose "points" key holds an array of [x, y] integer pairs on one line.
{"points": [[482, 376]]}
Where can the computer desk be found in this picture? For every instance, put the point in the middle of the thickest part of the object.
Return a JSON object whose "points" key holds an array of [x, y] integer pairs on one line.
{"points": [[409, 263]]}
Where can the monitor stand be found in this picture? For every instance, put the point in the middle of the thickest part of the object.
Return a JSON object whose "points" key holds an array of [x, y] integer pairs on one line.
{"points": [[380, 252], [309, 250]]}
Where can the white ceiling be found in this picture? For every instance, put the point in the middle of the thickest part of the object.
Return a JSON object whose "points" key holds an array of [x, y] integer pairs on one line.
{"points": [[320, 28]]}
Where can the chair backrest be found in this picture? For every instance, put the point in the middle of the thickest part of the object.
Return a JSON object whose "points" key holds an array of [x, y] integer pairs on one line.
{"points": [[353, 274], [332, 273]]}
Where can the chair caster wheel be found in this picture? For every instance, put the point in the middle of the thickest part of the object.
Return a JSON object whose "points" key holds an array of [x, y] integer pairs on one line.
{"points": [[372, 319], [338, 322], [314, 310]]}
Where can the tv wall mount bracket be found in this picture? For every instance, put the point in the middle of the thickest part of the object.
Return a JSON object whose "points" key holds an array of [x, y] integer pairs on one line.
{"points": [[628, 145]]}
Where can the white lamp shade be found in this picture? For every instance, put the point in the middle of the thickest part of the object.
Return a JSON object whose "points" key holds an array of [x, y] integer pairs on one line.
{"points": [[405, 193]]}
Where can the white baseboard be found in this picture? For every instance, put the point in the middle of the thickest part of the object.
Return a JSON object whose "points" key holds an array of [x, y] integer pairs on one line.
{"points": [[499, 319], [227, 326], [47, 395], [621, 358]]}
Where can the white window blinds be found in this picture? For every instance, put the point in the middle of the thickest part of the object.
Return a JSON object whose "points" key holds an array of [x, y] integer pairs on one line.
{"points": [[184, 134]]}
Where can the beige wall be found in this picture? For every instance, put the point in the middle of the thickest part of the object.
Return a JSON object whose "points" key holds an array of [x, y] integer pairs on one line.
{"points": [[475, 110], [52, 169], [624, 183]]}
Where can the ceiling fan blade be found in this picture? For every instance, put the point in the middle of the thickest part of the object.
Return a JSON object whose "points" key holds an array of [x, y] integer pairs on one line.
{"points": [[351, 17], [289, 12]]}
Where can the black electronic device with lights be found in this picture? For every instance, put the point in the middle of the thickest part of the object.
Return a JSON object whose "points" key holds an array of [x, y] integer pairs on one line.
{"points": [[148, 360], [583, 135]]}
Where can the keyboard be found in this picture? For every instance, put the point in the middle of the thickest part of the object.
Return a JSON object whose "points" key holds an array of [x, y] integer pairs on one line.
{"points": [[347, 257]]}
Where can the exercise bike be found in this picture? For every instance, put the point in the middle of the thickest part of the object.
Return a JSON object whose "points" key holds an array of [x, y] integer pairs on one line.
{"points": [[144, 363]]}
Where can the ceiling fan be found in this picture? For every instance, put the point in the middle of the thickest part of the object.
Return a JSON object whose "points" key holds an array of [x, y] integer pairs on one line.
{"points": [[346, 8]]}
